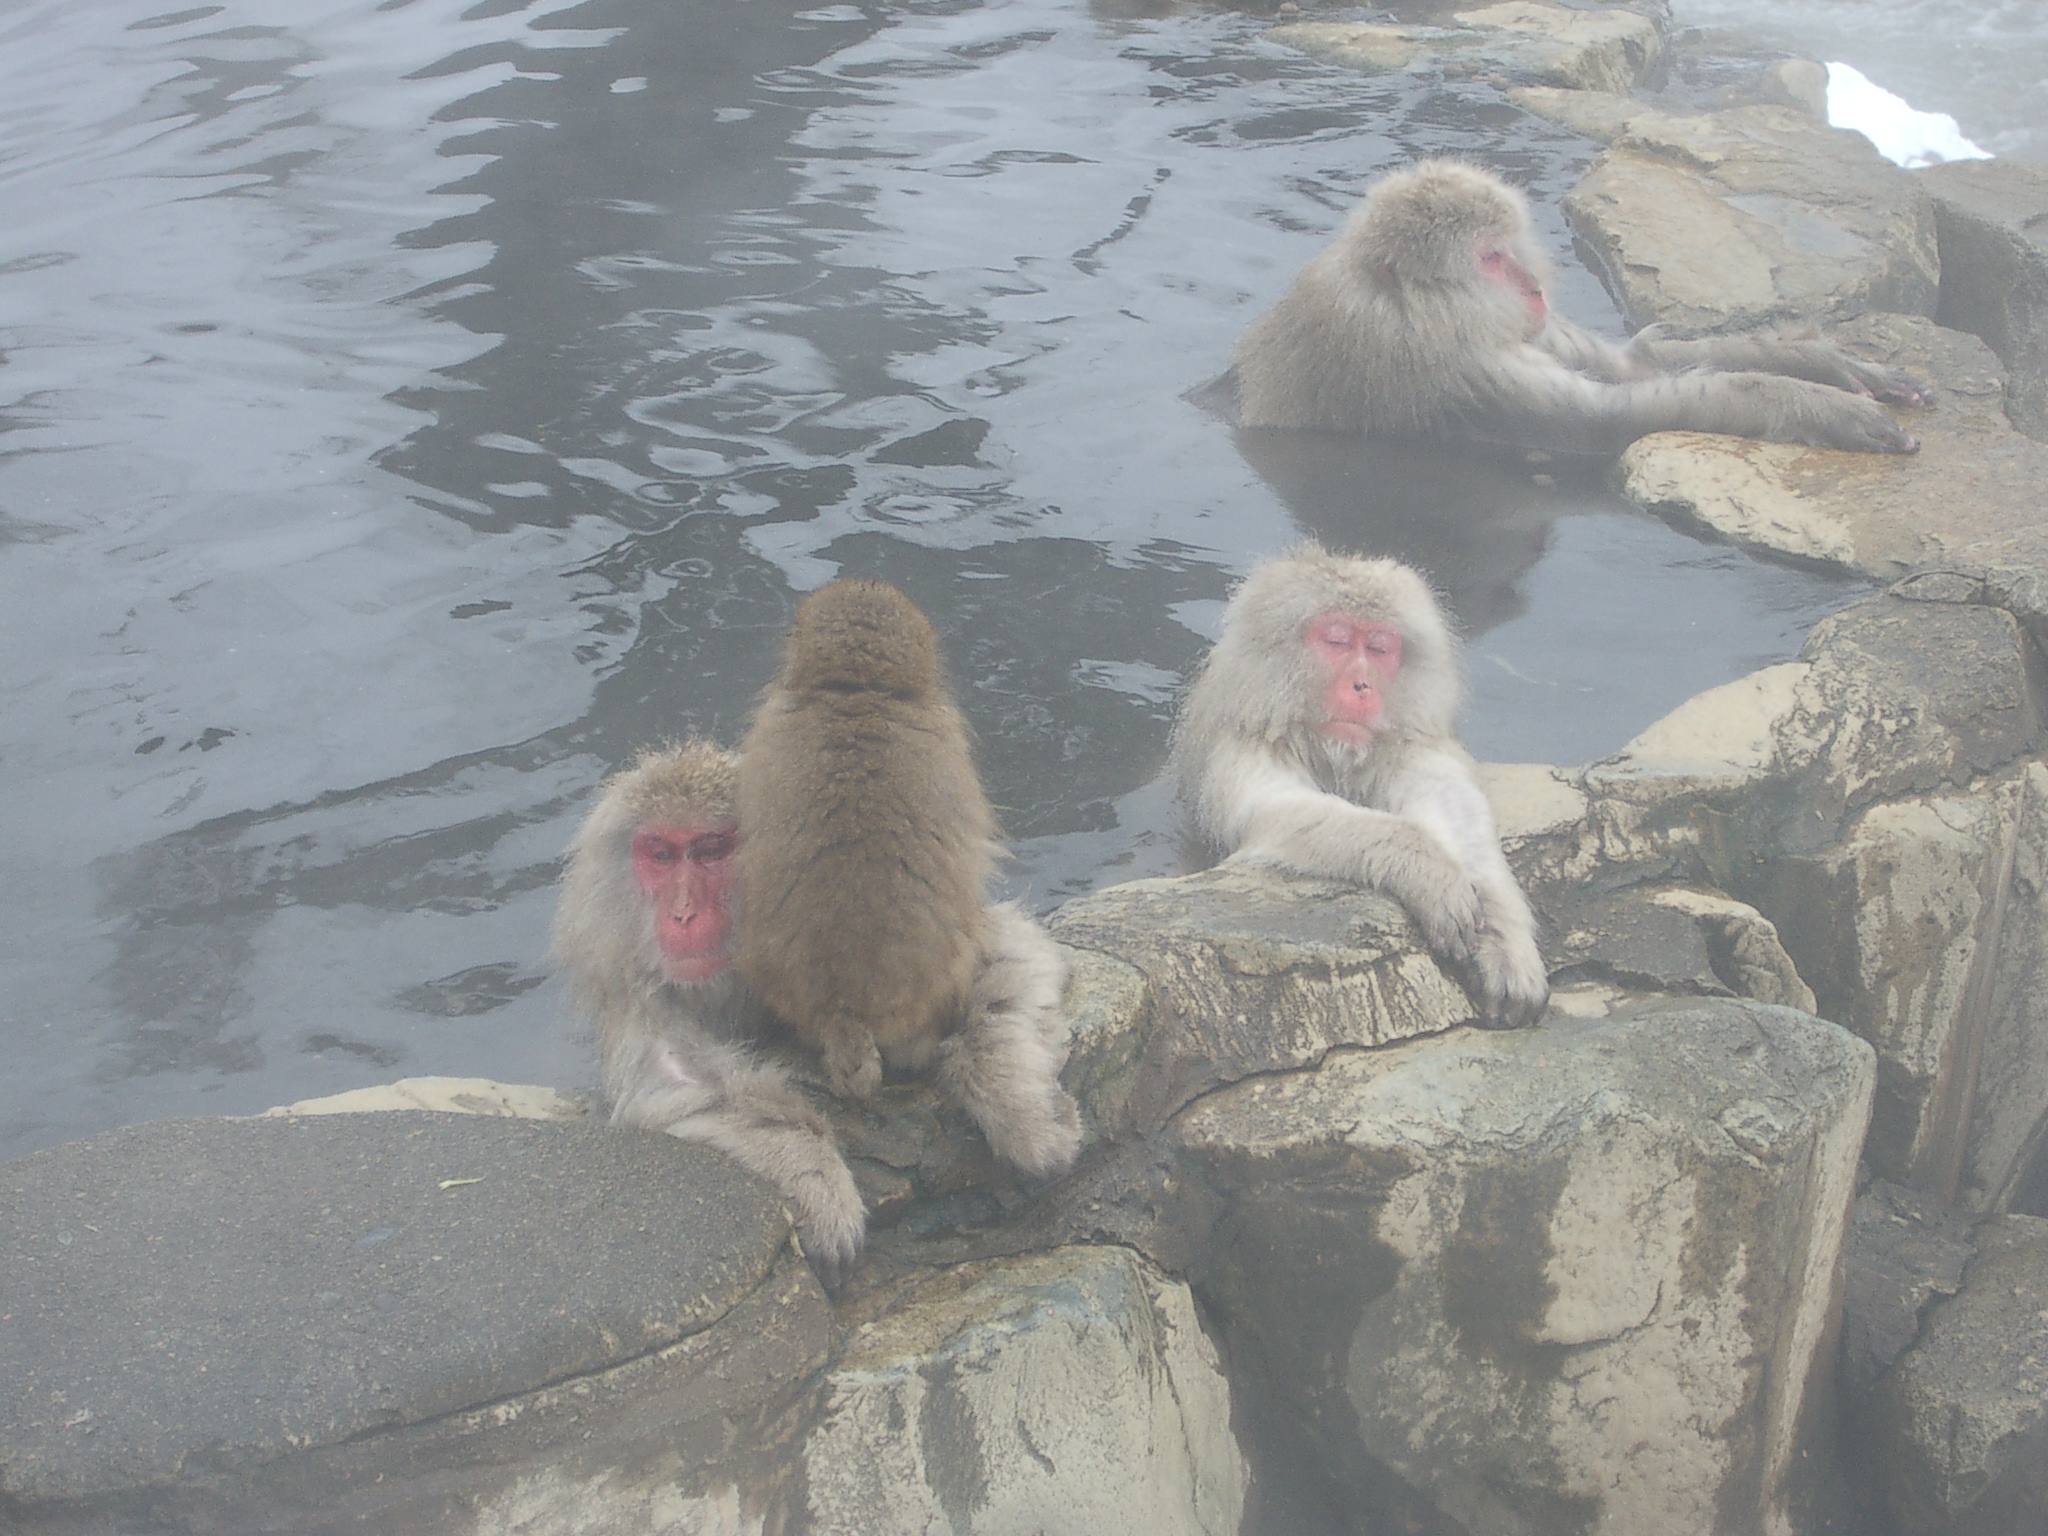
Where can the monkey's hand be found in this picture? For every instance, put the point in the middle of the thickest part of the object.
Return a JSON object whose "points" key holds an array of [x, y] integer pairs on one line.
{"points": [[1825, 363], [1833, 418], [1508, 982], [831, 1222], [1447, 908]]}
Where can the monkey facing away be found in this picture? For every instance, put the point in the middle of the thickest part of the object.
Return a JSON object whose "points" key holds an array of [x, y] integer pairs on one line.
{"points": [[646, 927], [1426, 317], [1319, 736]]}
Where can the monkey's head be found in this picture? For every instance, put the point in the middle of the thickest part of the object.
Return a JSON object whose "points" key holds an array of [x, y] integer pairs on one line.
{"points": [[1446, 223], [648, 892], [858, 636], [1356, 650]]}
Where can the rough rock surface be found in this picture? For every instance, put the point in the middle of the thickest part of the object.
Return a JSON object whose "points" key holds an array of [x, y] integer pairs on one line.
{"points": [[1573, 1277], [1070, 1391], [1602, 50], [1969, 501], [1992, 220], [1670, 939], [1248, 972], [243, 1323], [1756, 216], [1905, 1251], [1961, 1421]]}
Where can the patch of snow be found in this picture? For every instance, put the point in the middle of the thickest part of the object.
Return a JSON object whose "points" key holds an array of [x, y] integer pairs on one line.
{"points": [[1903, 134]]}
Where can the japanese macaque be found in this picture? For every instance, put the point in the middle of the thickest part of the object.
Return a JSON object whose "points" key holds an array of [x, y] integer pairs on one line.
{"points": [[866, 860], [1427, 317], [1319, 736], [646, 927]]}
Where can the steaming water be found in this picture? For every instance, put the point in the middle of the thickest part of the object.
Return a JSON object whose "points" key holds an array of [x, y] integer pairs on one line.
{"points": [[409, 409]]}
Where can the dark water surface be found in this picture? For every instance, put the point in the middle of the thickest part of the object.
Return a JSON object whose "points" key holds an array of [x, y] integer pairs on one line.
{"points": [[408, 410]]}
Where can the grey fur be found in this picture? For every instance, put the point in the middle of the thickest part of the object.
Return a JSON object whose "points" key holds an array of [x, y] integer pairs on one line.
{"points": [[679, 1057], [1392, 328], [1264, 782]]}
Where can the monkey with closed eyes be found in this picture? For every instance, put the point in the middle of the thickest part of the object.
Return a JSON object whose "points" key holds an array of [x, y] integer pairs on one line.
{"points": [[1427, 317]]}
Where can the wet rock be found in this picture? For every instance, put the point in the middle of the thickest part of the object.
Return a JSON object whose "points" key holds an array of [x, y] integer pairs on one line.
{"points": [[1992, 220], [1072, 1390], [1670, 939], [1969, 501], [452, 1095], [1961, 1421], [1250, 970], [1603, 50], [1905, 1251], [392, 1321], [1756, 216], [1574, 1277]]}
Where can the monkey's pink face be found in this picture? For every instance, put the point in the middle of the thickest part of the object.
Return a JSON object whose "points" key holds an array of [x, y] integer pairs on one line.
{"points": [[1497, 264], [685, 871], [1357, 661]]}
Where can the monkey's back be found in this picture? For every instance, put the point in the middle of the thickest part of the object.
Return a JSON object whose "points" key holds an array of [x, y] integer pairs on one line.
{"points": [[866, 847]]}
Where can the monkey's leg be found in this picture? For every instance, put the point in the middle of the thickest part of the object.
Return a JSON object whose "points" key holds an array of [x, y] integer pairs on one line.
{"points": [[1002, 1065], [748, 1110], [853, 1061]]}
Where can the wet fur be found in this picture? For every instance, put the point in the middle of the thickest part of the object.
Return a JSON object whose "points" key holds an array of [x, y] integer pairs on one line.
{"points": [[1393, 329], [1264, 783]]}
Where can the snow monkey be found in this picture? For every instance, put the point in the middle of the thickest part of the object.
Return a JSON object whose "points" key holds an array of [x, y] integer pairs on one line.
{"points": [[1318, 736], [646, 926], [865, 860], [1426, 317]]}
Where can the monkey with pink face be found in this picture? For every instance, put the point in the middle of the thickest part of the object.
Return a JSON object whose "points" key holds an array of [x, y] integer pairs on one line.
{"points": [[1427, 317], [1320, 736]]}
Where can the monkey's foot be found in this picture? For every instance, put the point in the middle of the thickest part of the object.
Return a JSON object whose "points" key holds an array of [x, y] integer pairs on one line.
{"points": [[1042, 1140], [854, 1064]]}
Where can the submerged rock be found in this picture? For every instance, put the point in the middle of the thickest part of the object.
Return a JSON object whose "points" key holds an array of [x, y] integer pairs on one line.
{"points": [[1561, 46]]}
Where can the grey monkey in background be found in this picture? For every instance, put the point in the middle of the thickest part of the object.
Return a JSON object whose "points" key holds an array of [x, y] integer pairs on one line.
{"points": [[1319, 736], [1427, 317]]}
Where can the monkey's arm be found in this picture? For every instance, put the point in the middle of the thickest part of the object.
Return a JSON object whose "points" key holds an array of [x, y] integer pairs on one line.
{"points": [[1540, 401], [1436, 788], [1811, 358], [1262, 810], [1597, 357], [1002, 1065], [698, 1089]]}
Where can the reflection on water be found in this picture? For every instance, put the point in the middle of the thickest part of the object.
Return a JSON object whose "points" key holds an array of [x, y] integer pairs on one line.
{"points": [[409, 409]]}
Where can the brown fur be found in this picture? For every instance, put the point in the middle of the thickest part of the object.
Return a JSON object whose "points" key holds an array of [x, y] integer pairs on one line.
{"points": [[1392, 328], [866, 843]]}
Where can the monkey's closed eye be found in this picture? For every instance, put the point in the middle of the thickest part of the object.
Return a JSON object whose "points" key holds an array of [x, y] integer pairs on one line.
{"points": [[712, 848]]}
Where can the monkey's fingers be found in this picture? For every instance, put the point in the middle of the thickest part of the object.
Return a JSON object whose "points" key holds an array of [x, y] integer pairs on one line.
{"points": [[831, 1224]]}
